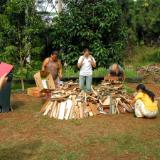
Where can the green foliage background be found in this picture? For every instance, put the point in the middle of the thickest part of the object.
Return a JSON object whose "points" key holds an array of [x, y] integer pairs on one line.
{"points": [[109, 28], [94, 25]]}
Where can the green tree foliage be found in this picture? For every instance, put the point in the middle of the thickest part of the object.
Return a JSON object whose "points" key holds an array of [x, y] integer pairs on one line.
{"points": [[147, 20], [142, 18], [20, 29], [92, 24], [106, 27]]}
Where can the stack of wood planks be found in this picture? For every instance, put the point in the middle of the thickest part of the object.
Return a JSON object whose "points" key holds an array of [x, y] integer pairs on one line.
{"points": [[68, 102], [67, 105], [113, 97]]}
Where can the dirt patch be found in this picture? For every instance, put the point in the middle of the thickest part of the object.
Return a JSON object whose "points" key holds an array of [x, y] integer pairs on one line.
{"points": [[151, 86]]}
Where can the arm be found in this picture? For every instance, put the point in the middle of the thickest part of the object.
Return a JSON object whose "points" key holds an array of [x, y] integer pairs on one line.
{"points": [[45, 62], [137, 96], [121, 70], [3, 80], [60, 70], [93, 62], [108, 76], [123, 76], [80, 62]]}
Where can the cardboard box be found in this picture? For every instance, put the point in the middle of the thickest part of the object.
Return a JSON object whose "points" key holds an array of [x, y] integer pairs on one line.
{"points": [[35, 92], [44, 80]]}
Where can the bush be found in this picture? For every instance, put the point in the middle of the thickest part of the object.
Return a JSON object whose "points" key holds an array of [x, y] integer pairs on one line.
{"points": [[94, 25], [155, 57]]}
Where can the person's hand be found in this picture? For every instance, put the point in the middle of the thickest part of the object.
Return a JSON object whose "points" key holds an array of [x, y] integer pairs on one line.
{"points": [[90, 59], [82, 59], [4, 77]]}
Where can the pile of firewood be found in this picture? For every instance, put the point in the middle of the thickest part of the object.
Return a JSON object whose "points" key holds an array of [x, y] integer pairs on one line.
{"points": [[113, 98], [150, 72], [68, 102]]}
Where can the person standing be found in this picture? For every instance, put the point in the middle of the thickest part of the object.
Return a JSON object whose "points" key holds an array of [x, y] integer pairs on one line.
{"points": [[53, 65], [85, 63]]}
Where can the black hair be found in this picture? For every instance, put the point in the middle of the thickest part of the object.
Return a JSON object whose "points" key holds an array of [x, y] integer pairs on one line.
{"points": [[86, 50], [54, 52], [145, 90]]}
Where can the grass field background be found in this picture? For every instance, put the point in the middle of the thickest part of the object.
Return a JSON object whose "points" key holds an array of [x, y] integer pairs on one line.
{"points": [[26, 134]]}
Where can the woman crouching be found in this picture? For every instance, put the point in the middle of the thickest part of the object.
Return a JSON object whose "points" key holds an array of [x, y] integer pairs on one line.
{"points": [[145, 104]]}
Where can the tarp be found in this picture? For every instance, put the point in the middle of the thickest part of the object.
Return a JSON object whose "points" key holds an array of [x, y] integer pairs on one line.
{"points": [[5, 68]]}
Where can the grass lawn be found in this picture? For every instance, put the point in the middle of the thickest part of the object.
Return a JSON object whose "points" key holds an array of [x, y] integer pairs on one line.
{"points": [[143, 55], [27, 135]]}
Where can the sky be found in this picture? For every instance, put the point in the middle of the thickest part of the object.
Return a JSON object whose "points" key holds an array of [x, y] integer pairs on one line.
{"points": [[46, 6]]}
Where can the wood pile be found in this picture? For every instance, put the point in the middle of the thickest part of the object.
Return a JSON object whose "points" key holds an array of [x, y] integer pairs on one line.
{"points": [[150, 72], [113, 98], [35, 92], [68, 102]]}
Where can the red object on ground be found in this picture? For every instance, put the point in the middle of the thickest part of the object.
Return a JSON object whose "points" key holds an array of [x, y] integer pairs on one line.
{"points": [[5, 68]]}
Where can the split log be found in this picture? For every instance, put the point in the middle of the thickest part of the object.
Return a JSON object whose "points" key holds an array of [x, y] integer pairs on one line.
{"points": [[62, 110], [45, 106], [68, 109], [48, 109], [53, 108]]}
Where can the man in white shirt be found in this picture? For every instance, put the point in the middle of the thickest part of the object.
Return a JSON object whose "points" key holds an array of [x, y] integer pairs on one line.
{"points": [[86, 63]]}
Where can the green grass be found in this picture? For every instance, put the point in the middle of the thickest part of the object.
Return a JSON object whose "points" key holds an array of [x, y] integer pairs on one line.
{"points": [[143, 55], [70, 72], [27, 135], [128, 89], [100, 72], [17, 86], [131, 73]]}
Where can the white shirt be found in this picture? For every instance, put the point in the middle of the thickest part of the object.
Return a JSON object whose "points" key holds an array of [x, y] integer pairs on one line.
{"points": [[86, 68]]}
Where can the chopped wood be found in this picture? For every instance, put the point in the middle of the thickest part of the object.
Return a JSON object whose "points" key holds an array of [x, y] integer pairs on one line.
{"points": [[68, 102]]}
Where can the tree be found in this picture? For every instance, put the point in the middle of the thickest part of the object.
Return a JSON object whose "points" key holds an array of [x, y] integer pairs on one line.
{"points": [[143, 20], [92, 24], [19, 36], [147, 20]]}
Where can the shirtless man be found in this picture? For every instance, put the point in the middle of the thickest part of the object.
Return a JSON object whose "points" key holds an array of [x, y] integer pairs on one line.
{"points": [[53, 65]]}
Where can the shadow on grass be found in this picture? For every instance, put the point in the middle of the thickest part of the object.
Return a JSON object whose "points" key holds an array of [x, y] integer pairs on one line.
{"points": [[22, 151], [18, 104]]}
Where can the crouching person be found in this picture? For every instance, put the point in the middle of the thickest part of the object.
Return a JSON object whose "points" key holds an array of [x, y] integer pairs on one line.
{"points": [[86, 62], [145, 104], [116, 73]]}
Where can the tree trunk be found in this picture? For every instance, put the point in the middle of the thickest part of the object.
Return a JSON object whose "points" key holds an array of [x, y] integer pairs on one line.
{"points": [[22, 84], [59, 6]]}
